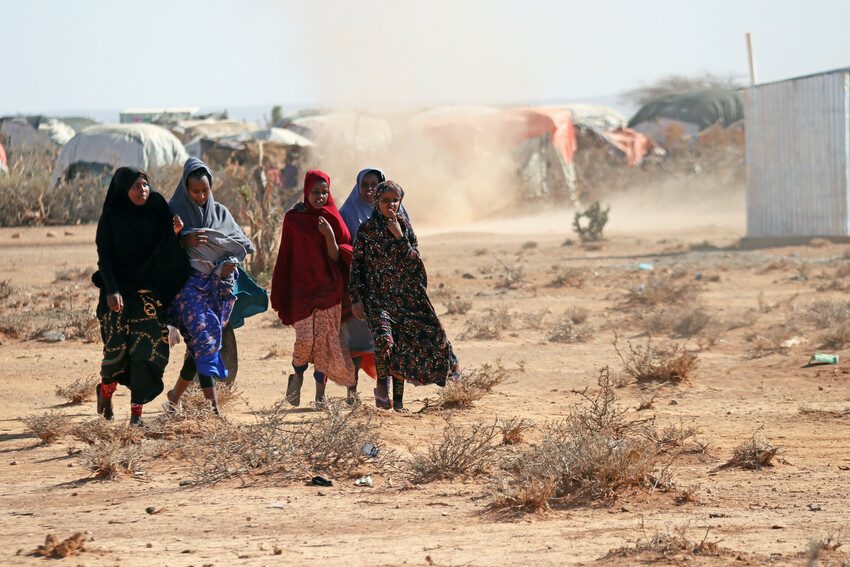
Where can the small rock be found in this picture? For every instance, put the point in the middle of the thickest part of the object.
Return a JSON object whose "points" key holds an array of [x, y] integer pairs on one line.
{"points": [[151, 509], [814, 508], [16, 235], [69, 233], [185, 483], [674, 403], [277, 505], [51, 234], [14, 463], [468, 276], [363, 481]]}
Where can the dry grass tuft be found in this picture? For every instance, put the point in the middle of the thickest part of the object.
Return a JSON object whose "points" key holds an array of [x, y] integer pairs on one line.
{"points": [[277, 351], [98, 429], [457, 306], [79, 391], [113, 458], [815, 412], [462, 451], [665, 362], [6, 290], [55, 549], [473, 385], [753, 454], [569, 328], [49, 426], [670, 547], [488, 325], [660, 290], [511, 277], [513, 430], [568, 277]]}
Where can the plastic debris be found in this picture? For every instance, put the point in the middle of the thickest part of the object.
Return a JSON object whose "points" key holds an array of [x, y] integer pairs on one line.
{"points": [[320, 481], [646, 266], [364, 481], [819, 358], [53, 336], [370, 450]]}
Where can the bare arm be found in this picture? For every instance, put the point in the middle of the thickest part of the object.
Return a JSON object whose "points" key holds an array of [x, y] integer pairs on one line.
{"points": [[330, 239]]}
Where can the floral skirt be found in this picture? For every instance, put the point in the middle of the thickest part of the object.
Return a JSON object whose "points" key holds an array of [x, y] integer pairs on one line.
{"points": [[317, 340]]}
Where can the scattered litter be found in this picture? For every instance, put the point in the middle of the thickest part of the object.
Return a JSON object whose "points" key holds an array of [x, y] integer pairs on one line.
{"points": [[698, 276], [793, 341], [819, 358], [646, 266], [154, 510], [370, 450], [468, 276], [320, 481], [53, 337], [800, 278], [277, 505], [51, 234], [718, 515], [16, 235], [69, 233], [814, 508], [364, 481]]}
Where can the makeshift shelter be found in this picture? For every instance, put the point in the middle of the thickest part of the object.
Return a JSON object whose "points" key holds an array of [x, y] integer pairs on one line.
{"points": [[797, 144], [210, 129], [243, 147], [540, 140], [4, 163], [679, 116], [361, 133], [103, 148]]}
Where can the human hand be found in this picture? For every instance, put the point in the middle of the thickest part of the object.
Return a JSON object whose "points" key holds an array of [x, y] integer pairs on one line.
{"points": [[115, 302], [227, 270], [325, 228], [195, 239], [177, 223], [358, 311], [393, 224]]}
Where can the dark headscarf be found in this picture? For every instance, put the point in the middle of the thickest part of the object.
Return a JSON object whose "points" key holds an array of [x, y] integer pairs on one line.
{"points": [[136, 245], [355, 211], [212, 215]]}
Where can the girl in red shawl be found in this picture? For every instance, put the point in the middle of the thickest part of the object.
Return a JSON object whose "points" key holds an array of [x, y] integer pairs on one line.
{"points": [[308, 286]]}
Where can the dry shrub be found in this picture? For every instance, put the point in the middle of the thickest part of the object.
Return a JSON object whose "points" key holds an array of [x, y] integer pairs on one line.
{"points": [[659, 362], [836, 337], [473, 385], [513, 430], [55, 549], [331, 443], [568, 277], [529, 245], [194, 404], [532, 319], [277, 351], [113, 458], [511, 277], [660, 290], [838, 280], [73, 275], [676, 438], [593, 454], [773, 340], [816, 548], [833, 317], [567, 330], [670, 546], [79, 391], [589, 223], [488, 325], [49, 426], [98, 429], [753, 454], [458, 306], [6, 290], [460, 451], [815, 412]]}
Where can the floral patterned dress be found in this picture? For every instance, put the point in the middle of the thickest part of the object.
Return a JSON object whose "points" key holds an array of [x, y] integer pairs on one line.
{"points": [[388, 276]]}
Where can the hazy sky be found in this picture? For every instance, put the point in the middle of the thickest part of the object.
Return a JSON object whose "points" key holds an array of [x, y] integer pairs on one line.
{"points": [[108, 54]]}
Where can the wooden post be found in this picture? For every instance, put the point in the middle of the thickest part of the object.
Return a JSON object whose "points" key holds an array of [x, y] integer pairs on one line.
{"points": [[752, 64]]}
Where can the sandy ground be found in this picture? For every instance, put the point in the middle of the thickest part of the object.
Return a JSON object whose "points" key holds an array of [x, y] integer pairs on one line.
{"points": [[763, 516]]}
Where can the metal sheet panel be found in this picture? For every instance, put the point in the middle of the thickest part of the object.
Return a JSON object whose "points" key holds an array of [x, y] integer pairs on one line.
{"points": [[798, 157]]}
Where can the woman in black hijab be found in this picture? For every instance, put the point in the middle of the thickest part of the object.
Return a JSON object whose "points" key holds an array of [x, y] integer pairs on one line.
{"points": [[141, 268]]}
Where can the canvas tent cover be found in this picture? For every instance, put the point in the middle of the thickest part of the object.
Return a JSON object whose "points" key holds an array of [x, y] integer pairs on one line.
{"points": [[115, 145], [701, 107]]}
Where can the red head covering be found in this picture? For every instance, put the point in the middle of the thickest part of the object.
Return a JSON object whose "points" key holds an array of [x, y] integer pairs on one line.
{"points": [[305, 278]]}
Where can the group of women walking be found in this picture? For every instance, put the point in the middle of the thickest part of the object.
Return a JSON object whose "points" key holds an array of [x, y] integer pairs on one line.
{"points": [[350, 281]]}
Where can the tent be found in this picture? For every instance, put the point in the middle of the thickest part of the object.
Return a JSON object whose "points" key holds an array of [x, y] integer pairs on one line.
{"points": [[4, 165], [106, 147], [687, 114]]}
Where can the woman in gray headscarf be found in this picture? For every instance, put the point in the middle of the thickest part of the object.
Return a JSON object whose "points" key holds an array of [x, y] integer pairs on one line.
{"points": [[216, 245]]}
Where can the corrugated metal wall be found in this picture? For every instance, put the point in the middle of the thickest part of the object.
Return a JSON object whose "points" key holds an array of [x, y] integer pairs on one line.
{"points": [[798, 157]]}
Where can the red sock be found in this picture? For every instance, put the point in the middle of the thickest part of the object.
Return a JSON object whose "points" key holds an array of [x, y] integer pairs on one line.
{"points": [[136, 409], [106, 390]]}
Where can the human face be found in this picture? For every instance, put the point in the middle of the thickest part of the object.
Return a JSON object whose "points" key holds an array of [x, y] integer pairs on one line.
{"points": [[139, 191], [389, 202], [367, 187], [318, 194], [199, 190]]}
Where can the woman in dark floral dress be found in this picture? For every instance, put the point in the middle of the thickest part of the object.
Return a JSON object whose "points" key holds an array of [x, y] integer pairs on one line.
{"points": [[388, 288]]}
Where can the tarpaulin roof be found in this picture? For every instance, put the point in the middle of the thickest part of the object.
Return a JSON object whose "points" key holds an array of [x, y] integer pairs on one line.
{"points": [[116, 145], [701, 107]]}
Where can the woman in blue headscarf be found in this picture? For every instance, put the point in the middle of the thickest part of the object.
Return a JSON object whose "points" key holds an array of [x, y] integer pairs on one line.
{"points": [[357, 209]]}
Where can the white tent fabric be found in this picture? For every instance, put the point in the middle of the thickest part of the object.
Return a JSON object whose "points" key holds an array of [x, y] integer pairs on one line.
{"points": [[277, 135], [116, 145]]}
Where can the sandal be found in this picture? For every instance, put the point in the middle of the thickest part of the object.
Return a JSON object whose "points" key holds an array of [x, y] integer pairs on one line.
{"points": [[293, 389], [382, 402], [104, 405]]}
